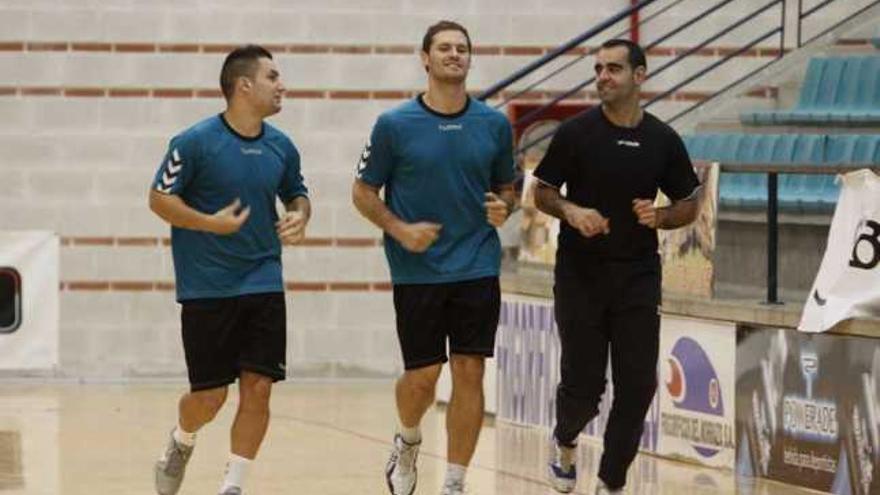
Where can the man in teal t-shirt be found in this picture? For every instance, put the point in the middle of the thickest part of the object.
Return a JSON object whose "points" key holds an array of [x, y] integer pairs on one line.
{"points": [[445, 161], [217, 186]]}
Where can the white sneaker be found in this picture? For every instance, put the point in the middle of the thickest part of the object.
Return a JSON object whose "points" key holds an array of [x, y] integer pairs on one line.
{"points": [[602, 489], [562, 479], [453, 488], [400, 472]]}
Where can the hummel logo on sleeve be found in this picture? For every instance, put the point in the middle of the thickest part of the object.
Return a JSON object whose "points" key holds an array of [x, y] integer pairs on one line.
{"points": [[365, 159], [171, 173]]}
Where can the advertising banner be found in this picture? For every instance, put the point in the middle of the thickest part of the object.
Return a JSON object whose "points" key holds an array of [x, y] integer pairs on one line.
{"points": [[807, 409], [859, 466], [697, 390]]}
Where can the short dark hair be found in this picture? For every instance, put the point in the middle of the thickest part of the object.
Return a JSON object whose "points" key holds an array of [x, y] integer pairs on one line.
{"points": [[443, 26], [241, 62], [635, 53]]}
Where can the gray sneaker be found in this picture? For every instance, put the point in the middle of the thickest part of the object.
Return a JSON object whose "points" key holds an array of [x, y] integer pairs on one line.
{"points": [[400, 472], [171, 466], [232, 490]]}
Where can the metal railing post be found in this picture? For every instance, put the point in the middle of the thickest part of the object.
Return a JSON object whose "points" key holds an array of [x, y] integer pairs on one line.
{"points": [[772, 238], [799, 20], [782, 35]]}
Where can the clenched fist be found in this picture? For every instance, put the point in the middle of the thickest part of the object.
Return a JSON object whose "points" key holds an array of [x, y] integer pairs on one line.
{"points": [[418, 237], [497, 210], [587, 221], [291, 228], [646, 213]]}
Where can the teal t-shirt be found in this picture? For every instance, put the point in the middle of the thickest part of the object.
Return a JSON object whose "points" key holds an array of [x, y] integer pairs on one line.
{"points": [[437, 168], [208, 166]]}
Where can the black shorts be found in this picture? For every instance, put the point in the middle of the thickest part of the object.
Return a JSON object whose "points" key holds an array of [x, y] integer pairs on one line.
{"points": [[223, 337], [466, 312]]}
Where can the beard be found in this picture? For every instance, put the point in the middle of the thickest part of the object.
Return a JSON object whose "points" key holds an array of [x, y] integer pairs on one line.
{"points": [[615, 95]]}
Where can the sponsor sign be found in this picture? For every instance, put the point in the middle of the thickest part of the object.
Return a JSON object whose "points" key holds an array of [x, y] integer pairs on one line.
{"points": [[696, 390]]}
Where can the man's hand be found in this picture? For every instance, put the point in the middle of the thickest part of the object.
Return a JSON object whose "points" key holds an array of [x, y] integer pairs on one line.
{"points": [[418, 237], [647, 214], [291, 228], [587, 221], [497, 210], [229, 219]]}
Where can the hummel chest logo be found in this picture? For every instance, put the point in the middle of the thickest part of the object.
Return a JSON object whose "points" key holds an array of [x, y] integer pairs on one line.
{"points": [[450, 127], [631, 144], [251, 151]]}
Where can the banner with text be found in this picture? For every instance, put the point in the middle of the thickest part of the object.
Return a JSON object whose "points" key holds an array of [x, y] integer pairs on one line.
{"points": [[697, 390], [808, 412]]}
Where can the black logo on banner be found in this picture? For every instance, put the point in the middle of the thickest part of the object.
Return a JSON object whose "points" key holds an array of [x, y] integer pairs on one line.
{"points": [[10, 299], [873, 240]]}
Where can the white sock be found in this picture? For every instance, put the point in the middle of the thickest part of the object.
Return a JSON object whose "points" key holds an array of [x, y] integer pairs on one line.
{"points": [[236, 468], [410, 435], [184, 437], [455, 473]]}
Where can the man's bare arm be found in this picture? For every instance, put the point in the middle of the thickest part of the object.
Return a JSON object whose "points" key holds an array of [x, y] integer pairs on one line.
{"points": [[416, 237], [174, 210]]}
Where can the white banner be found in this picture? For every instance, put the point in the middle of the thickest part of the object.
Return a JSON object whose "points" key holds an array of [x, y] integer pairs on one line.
{"points": [[697, 389], [29, 331], [848, 282]]}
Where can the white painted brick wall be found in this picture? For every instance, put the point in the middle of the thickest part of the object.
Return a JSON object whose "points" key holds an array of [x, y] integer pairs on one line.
{"points": [[81, 166]]}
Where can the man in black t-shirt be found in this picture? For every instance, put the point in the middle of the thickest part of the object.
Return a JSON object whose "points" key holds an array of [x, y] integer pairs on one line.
{"points": [[611, 159]]}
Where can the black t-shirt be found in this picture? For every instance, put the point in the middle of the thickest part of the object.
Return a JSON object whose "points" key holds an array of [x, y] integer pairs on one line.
{"points": [[606, 167]]}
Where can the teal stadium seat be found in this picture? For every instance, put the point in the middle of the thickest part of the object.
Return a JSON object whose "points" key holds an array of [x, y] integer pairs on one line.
{"points": [[866, 106], [809, 90], [801, 192], [836, 90]]}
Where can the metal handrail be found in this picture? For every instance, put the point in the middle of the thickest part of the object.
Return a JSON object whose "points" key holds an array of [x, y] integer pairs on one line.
{"points": [[772, 171], [715, 37], [528, 69], [534, 114], [803, 15], [780, 30], [711, 67], [582, 56]]}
